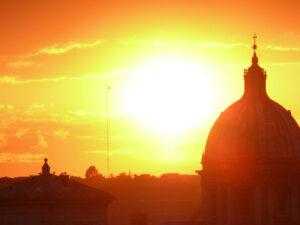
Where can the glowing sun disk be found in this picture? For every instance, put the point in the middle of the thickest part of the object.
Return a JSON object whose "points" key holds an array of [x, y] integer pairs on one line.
{"points": [[170, 96]]}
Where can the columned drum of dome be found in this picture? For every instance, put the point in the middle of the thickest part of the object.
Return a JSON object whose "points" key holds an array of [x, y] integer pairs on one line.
{"points": [[251, 164]]}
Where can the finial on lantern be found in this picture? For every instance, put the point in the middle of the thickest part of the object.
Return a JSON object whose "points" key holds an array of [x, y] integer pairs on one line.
{"points": [[254, 42], [254, 58]]}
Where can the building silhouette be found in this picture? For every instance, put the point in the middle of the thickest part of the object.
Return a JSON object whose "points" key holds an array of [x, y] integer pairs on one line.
{"points": [[47, 199], [251, 164]]}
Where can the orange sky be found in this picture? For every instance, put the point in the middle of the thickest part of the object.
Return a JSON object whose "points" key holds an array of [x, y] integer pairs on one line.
{"points": [[57, 56]]}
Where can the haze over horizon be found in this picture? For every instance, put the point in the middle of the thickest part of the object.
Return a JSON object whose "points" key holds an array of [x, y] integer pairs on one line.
{"points": [[172, 67]]}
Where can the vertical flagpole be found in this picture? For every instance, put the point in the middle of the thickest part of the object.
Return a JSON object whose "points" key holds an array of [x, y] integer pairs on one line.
{"points": [[107, 128]]}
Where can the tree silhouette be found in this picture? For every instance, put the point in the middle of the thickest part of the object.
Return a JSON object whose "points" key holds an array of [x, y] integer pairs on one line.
{"points": [[91, 172]]}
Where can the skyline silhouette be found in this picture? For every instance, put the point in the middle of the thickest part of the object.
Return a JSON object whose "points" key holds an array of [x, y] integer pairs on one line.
{"points": [[149, 112], [57, 57]]}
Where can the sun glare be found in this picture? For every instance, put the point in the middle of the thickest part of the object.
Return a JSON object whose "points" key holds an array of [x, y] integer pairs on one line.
{"points": [[170, 95]]}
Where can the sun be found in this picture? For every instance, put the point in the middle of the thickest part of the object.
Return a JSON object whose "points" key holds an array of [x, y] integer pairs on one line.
{"points": [[170, 95]]}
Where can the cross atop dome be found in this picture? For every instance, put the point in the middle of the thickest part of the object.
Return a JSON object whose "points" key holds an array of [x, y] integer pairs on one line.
{"points": [[254, 42], [254, 58]]}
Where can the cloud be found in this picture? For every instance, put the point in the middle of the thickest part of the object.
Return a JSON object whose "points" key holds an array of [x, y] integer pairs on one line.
{"points": [[282, 63], [97, 113], [112, 152], [8, 79], [190, 142], [6, 107], [6, 157], [47, 113], [3, 141], [104, 137], [61, 133], [14, 81], [94, 113], [230, 65], [205, 44], [193, 43], [59, 49], [38, 108], [192, 145], [42, 143], [278, 48], [19, 64], [22, 131]]}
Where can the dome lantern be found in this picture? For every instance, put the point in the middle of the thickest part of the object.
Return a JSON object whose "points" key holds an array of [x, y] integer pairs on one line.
{"points": [[255, 77]]}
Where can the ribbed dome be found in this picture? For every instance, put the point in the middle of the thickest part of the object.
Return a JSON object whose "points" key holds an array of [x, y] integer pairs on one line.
{"points": [[253, 129]]}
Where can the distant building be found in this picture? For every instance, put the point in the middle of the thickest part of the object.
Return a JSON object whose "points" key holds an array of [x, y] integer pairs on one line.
{"points": [[251, 165], [52, 200]]}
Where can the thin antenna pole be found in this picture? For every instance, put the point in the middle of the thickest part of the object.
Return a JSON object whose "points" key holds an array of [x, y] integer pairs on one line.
{"points": [[107, 128]]}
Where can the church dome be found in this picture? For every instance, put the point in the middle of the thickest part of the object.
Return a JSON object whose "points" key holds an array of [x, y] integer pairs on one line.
{"points": [[254, 129]]}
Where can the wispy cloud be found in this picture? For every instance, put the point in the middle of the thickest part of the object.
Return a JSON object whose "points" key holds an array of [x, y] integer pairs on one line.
{"points": [[38, 108], [47, 113], [19, 64], [61, 133], [112, 137], [278, 48], [3, 141], [6, 107], [6, 157], [194, 43], [246, 64], [63, 48], [113, 152], [8, 79], [42, 143], [14, 80], [206, 44], [282, 63], [22, 131], [5, 134], [96, 113], [59, 48]]}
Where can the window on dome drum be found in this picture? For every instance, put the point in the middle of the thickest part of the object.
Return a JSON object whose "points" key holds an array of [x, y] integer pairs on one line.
{"points": [[244, 203]]}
